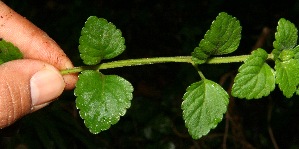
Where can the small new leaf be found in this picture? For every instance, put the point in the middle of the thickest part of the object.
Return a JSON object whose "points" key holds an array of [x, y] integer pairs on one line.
{"points": [[285, 37], [255, 78], [287, 72], [296, 52], [9, 52], [223, 37], [102, 99], [204, 104], [100, 40]]}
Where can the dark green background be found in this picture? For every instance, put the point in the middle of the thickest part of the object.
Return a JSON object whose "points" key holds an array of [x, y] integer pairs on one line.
{"points": [[159, 28]]}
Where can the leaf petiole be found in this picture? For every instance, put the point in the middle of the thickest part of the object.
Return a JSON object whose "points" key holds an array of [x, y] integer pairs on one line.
{"points": [[199, 72]]}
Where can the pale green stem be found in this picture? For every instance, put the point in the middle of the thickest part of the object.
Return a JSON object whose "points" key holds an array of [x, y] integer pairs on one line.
{"points": [[231, 59], [147, 61], [130, 62]]}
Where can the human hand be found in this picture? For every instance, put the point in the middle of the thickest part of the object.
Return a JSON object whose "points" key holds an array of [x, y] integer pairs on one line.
{"points": [[31, 83]]}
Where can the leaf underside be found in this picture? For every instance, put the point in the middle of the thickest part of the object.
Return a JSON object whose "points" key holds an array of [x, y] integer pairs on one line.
{"points": [[223, 37], [9, 52], [102, 99], [255, 78], [204, 104], [100, 40]]}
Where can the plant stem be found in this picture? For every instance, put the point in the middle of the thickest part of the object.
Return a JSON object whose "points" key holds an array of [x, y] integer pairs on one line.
{"points": [[129, 62], [147, 61], [231, 59]]}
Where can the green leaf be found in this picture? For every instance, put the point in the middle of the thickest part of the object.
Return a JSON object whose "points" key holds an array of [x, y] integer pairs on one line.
{"points": [[9, 52], [102, 99], [296, 52], [286, 55], [255, 78], [285, 37], [100, 40], [287, 76], [223, 37], [204, 104]]}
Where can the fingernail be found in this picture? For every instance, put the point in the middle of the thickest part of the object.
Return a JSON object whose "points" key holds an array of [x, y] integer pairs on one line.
{"points": [[35, 108], [46, 85], [68, 64]]}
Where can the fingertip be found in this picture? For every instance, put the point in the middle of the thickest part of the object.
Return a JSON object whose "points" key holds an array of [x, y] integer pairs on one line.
{"points": [[26, 86], [70, 81], [46, 85], [33, 42]]}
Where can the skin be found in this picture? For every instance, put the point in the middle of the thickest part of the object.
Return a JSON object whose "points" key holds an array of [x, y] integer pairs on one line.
{"points": [[40, 52]]}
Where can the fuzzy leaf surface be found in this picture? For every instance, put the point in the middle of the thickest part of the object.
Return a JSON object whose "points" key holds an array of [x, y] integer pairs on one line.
{"points": [[9, 52], [287, 76], [285, 37], [204, 104], [223, 37], [100, 40], [255, 78], [102, 99]]}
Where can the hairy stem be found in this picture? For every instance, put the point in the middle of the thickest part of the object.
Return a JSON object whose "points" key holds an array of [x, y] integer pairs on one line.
{"points": [[147, 61], [130, 62]]}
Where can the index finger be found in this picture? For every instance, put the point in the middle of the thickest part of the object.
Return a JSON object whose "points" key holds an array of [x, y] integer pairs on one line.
{"points": [[33, 42]]}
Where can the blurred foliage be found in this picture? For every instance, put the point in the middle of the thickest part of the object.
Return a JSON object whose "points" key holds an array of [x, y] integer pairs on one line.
{"points": [[160, 28]]}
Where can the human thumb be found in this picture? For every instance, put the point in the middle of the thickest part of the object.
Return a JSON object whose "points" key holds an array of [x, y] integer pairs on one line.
{"points": [[26, 86]]}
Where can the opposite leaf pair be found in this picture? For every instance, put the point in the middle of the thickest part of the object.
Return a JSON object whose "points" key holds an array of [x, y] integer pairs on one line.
{"points": [[102, 99], [205, 101]]}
